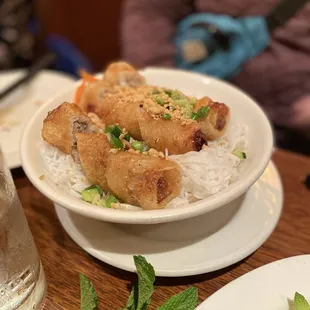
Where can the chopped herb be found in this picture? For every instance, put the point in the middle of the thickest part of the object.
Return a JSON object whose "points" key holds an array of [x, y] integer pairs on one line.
{"points": [[137, 145], [111, 199], [127, 137], [203, 112], [192, 101], [166, 116], [174, 94], [239, 154], [116, 142], [91, 193], [89, 300], [114, 130], [159, 100], [194, 116], [300, 302]]}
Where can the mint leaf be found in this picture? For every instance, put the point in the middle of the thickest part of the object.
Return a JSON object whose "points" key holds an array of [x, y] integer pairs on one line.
{"points": [[132, 299], [186, 300], [146, 279], [89, 299], [300, 302]]}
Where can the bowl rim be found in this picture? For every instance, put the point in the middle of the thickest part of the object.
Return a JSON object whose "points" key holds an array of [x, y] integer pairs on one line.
{"points": [[149, 216]]}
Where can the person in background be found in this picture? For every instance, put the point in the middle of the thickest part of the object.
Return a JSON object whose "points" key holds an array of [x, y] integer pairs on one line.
{"points": [[278, 78]]}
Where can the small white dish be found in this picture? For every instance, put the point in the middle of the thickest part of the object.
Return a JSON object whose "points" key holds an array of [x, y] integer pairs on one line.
{"points": [[18, 107], [271, 287], [198, 245], [243, 109]]}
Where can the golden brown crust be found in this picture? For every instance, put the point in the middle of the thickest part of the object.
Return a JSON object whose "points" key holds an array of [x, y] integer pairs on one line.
{"points": [[93, 149], [149, 182], [58, 126], [172, 135], [121, 73], [215, 124]]}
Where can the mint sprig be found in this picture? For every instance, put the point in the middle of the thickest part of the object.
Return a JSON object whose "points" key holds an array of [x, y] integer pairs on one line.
{"points": [[141, 293], [89, 299], [186, 300], [146, 279], [300, 302]]}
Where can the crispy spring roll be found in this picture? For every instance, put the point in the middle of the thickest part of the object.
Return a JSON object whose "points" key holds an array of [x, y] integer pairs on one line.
{"points": [[61, 125], [113, 106], [93, 149], [215, 124], [123, 74], [148, 182], [174, 135], [93, 94]]}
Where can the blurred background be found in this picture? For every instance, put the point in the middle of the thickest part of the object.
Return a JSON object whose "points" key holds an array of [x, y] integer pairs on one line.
{"points": [[93, 33]]}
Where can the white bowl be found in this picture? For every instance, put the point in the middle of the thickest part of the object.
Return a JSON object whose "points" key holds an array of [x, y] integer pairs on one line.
{"points": [[243, 109]]}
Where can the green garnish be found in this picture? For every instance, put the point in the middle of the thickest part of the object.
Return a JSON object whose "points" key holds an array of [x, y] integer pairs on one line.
{"points": [[192, 101], [194, 116], [91, 193], [159, 99], [239, 154], [113, 130], [146, 279], [89, 300], [174, 94], [127, 137], [300, 302], [203, 112], [111, 199], [116, 142], [166, 116], [137, 145], [141, 293], [184, 300]]}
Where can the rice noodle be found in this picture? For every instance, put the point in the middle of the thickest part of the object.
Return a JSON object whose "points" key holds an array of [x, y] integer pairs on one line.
{"points": [[204, 173]]}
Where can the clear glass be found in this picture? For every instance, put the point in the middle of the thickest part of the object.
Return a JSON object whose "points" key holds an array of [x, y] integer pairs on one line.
{"points": [[22, 280]]}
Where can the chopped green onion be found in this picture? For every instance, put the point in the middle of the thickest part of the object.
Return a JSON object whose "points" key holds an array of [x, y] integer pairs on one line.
{"points": [[192, 101], [159, 100], [174, 94], [127, 137], [100, 191], [116, 142], [137, 145], [239, 154], [203, 112], [114, 130], [194, 116], [166, 116], [111, 199]]}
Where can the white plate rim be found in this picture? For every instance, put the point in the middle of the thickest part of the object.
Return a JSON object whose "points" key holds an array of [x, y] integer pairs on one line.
{"points": [[250, 274], [228, 261]]}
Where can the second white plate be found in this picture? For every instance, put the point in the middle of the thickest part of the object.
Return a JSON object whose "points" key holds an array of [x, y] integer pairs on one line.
{"points": [[198, 245]]}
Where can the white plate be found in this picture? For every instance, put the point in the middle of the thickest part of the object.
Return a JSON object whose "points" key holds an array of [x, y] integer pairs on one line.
{"points": [[271, 287], [17, 108], [202, 244], [243, 111]]}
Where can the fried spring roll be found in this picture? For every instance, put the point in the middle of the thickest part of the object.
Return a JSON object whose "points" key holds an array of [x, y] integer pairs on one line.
{"points": [[215, 124], [148, 182], [123, 74], [173, 135], [61, 125], [93, 149], [112, 106]]}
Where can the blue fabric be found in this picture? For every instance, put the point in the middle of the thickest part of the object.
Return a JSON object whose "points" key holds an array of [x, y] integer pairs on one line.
{"points": [[249, 37], [69, 58]]}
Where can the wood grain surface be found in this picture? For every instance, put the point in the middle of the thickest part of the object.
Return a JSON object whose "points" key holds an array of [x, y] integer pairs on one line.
{"points": [[63, 260]]}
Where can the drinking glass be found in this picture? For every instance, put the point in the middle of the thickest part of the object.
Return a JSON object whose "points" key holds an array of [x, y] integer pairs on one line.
{"points": [[22, 280]]}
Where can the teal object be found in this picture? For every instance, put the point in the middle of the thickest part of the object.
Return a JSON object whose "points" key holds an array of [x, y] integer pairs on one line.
{"points": [[248, 37]]}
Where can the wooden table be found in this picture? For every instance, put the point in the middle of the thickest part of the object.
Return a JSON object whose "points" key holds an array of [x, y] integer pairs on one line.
{"points": [[63, 260]]}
